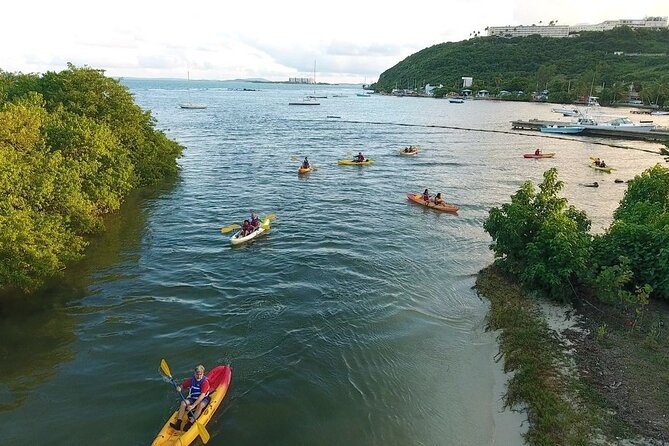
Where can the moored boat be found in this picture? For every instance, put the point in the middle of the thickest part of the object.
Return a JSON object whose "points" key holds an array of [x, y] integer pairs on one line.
{"points": [[563, 129]]}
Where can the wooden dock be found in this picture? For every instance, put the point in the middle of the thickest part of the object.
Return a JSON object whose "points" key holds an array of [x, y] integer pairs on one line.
{"points": [[650, 135]]}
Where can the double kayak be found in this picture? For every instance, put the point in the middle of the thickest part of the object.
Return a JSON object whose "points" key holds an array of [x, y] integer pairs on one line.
{"points": [[602, 169], [541, 155], [238, 239], [354, 163], [304, 170], [219, 379], [418, 198], [412, 152]]}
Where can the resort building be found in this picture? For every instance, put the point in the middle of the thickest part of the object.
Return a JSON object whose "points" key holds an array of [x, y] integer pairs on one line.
{"points": [[522, 31], [647, 23], [553, 30]]}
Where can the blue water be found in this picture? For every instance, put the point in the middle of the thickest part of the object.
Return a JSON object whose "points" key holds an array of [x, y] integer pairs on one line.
{"points": [[353, 322]]}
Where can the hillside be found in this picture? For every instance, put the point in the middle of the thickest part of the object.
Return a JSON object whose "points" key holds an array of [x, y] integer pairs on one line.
{"points": [[567, 67]]}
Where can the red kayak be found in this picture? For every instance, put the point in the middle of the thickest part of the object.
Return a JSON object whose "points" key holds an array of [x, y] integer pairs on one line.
{"points": [[446, 207]]}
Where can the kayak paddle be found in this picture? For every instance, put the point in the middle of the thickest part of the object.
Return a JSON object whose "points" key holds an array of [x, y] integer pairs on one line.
{"points": [[201, 429], [227, 229]]}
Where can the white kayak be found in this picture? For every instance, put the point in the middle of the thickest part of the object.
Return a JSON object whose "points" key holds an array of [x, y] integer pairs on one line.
{"points": [[237, 238]]}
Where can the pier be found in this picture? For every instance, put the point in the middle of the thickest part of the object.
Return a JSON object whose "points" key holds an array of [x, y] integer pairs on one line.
{"points": [[650, 135]]}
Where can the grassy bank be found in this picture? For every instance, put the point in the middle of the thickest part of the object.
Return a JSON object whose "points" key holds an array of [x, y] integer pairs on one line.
{"points": [[562, 410]]}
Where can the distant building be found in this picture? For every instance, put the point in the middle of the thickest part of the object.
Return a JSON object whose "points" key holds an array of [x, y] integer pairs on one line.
{"points": [[467, 82], [522, 31], [553, 30], [301, 80], [647, 23]]}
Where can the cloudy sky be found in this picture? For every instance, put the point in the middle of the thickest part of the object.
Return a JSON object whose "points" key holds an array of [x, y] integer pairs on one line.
{"points": [[350, 41]]}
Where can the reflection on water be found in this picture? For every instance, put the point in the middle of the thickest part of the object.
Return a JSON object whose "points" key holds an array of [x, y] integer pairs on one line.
{"points": [[38, 331]]}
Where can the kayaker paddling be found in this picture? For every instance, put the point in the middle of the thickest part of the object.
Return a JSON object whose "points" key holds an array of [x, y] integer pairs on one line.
{"points": [[537, 152], [438, 200], [255, 221], [305, 163], [197, 400], [426, 196], [359, 158]]}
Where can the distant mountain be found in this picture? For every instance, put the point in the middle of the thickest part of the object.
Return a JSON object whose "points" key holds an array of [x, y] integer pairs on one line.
{"points": [[606, 63]]}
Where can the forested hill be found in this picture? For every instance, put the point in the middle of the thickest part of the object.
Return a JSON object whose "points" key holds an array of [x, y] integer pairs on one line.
{"points": [[535, 63]]}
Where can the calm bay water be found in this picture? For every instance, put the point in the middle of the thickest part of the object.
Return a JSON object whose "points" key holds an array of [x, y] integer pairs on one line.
{"points": [[353, 322]]}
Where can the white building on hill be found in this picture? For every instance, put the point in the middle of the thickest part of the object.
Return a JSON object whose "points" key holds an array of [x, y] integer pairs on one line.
{"points": [[565, 30]]}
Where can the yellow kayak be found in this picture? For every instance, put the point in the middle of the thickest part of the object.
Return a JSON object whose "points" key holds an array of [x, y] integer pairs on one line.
{"points": [[304, 170], [354, 163], [219, 379]]}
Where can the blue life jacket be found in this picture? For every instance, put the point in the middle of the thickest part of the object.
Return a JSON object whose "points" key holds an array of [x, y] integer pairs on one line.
{"points": [[196, 387]]}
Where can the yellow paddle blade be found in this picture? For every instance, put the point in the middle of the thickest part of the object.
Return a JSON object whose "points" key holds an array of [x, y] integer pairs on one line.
{"points": [[293, 158], [314, 168], [165, 368], [204, 435], [348, 154], [271, 216], [227, 229]]}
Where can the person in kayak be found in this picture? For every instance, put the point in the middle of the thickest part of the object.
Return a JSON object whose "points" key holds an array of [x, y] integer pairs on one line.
{"points": [[438, 200], [246, 228], [305, 163], [197, 400], [255, 221], [426, 196], [537, 152], [359, 158]]}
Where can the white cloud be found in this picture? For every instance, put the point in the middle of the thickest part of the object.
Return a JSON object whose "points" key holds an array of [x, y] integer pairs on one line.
{"points": [[349, 41]]}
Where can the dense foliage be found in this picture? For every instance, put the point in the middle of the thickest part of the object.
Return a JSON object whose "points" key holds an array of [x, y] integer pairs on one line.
{"points": [[546, 245], [568, 67], [640, 231], [72, 145], [540, 239]]}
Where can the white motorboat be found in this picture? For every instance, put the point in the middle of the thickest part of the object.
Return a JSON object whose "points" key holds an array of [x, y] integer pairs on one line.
{"points": [[617, 123], [566, 111]]}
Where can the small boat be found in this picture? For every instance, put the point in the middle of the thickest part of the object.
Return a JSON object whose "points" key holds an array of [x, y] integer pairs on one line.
{"points": [[238, 239], [617, 123], [219, 379], [305, 101], [541, 155], [446, 207], [564, 129], [456, 100], [412, 151], [363, 95], [355, 163], [602, 169], [304, 170], [566, 111], [192, 106]]}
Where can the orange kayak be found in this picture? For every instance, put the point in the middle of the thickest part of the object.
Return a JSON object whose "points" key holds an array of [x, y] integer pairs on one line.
{"points": [[219, 379], [446, 207], [304, 170]]}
